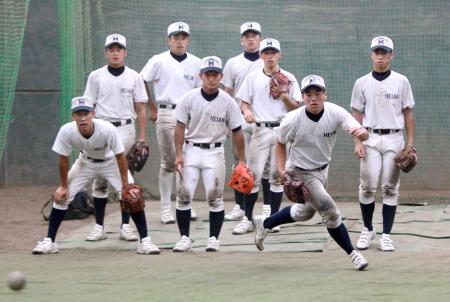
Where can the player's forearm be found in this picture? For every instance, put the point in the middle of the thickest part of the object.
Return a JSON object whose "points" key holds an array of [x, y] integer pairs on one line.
{"points": [[280, 154], [123, 168], [228, 90], [359, 117], [142, 120], [239, 145], [289, 103], [245, 107], [409, 125], [63, 170], [179, 138], [151, 103]]}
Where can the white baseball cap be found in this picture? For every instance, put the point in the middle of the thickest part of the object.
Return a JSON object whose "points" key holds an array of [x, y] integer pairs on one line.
{"points": [[382, 42], [82, 103], [178, 27], [269, 43], [250, 25], [116, 38], [211, 63], [312, 80]]}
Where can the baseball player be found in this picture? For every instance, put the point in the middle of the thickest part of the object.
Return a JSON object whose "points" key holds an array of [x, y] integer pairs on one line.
{"points": [[382, 101], [101, 155], [120, 97], [234, 73], [260, 108], [172, 73], [204, 117], [311, 132]]}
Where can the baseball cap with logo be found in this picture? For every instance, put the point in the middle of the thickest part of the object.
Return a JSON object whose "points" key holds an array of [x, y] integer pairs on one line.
{"points": [[211, 63], [178, 27], [269, 43], [80, 103], [116, 38], [382, 42], [312, 80], [250, 26]]}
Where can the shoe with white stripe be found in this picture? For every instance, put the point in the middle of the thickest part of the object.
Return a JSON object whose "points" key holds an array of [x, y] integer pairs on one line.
{"points": [[358, 260], [126, 233], [365, 238], [386, 243], [236, 214], [46, 246]]}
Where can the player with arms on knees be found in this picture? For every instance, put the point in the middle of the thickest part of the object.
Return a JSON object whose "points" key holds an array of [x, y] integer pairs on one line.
{"points": [[119, 95], [234, 73], [101, 155], [172, 73], [261, 108], [311, 132], [204, 117], [382, 101]]}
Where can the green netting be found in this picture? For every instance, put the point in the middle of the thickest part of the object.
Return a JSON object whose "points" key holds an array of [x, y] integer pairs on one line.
{"points": [[13, 16], [329, 38]]}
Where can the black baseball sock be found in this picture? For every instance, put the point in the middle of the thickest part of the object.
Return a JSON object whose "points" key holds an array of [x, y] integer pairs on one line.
{"points": [[281, 217], [215, 223], [239, 197], [388, 218], [183, 221], [340, 235], [266, 190], [56, 217], [275, 201], [141, 223], [125, 218], [367, 214], [249, 203], [99, 207]]}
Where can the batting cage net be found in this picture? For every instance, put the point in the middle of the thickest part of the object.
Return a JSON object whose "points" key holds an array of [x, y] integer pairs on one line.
{"points": [[328, 38], [13, 17]]}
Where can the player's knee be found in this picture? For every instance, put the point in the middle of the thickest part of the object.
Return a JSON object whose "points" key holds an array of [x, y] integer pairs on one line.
{"points": [[216, 204], [298, 212], [390, 190], [366, 195], [183, 204], [332, 218]]}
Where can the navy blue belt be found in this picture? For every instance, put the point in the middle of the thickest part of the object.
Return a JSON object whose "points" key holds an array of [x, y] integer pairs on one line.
{"points": [[95, 160], [168, 106], [268, 124], [382, 131], [316, 169], [121, 123], [205, 145]]}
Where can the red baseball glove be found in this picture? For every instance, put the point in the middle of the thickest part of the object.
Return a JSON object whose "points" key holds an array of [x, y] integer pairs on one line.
{"points": [[241, 179]]}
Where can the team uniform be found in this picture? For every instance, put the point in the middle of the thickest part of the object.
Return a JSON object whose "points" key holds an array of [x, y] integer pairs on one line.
{"points": [[234, 73], [171, 79], [381, 101], [97, 159], [268, 113], [207, 124], [115, 91], [312, 139]]}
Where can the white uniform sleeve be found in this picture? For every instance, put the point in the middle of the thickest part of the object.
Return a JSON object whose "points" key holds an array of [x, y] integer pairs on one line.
{"points": [[115, 141], [139, 92], [358, 102], [62, 144], [407, 95], [227, 80], [152, 70], [347, 121], [91, 86], [286, 132], [235, 116], [295, 92], [182, 109], [245, 92]]}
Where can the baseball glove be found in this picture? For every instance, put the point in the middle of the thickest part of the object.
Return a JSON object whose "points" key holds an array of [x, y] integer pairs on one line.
{"points": [[241, 179], [137, 157], [407, 158], [132, 199], [279, 83], [294, 188]]}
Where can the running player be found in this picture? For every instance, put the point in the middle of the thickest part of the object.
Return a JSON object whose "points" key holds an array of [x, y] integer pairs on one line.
{"points": [[173, 73], [382, 101], [204, 117]]}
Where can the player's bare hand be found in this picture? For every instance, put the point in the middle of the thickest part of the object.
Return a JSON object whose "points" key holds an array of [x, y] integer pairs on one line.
{"points": [[360, 150], [179, 164], [359, 132], [152, 115], [249, 117], [60, 195]]}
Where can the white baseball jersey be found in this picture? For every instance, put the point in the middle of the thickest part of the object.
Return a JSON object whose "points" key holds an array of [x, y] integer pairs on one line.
{"points": [[115, 95], [103, 144], [208, 121], [171, 79], [255, 90], [382, 102], [237, 68], [312, 142]]}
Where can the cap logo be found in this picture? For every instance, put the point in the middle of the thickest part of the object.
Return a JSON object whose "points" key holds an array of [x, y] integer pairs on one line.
{"points": [[380, 42], [211, 62], [81, 102], [312, 80], [115, 38], [180, 26], [269, 43], [250, 25]]}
